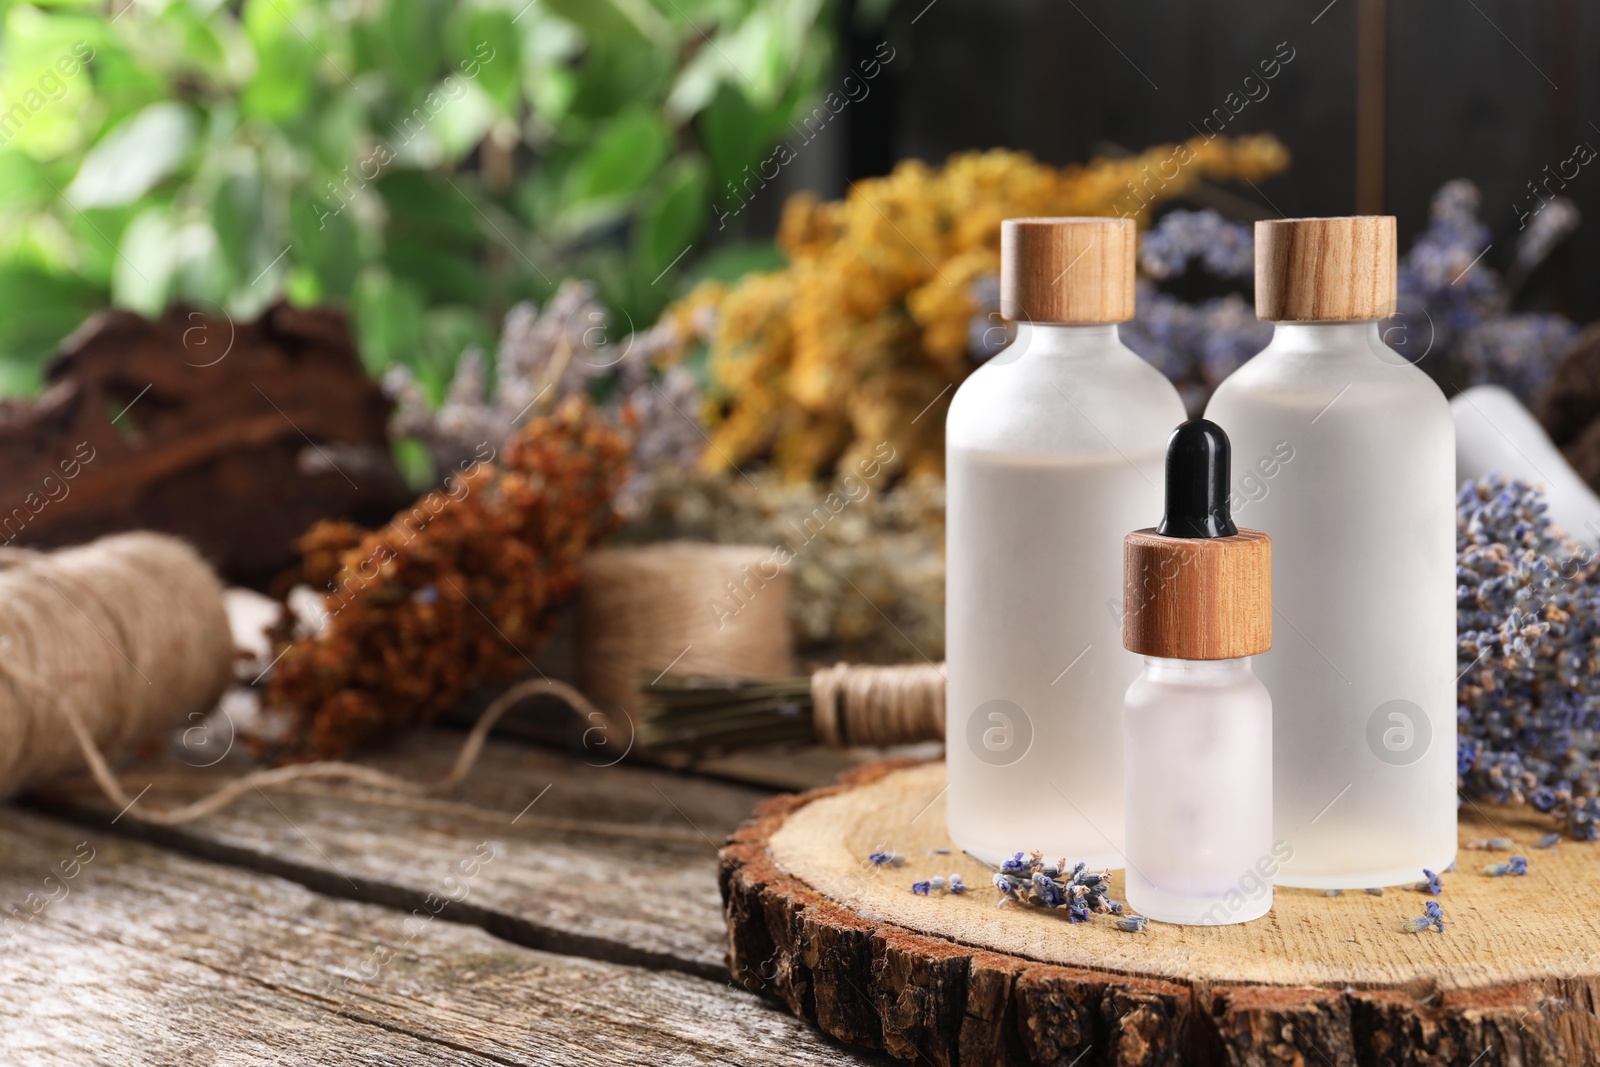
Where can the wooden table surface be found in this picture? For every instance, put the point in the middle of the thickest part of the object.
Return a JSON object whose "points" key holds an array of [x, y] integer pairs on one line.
{"points": [[552, 912]]}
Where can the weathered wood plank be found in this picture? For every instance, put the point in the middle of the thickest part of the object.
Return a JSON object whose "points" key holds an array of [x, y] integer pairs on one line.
{"points": [[616, 863], [145, 957]]}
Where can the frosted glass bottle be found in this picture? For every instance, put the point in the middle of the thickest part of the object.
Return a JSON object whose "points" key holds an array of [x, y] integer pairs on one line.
{"points": [[1197, 724], [1054, 451], [1350, 454], [1200, 847]]}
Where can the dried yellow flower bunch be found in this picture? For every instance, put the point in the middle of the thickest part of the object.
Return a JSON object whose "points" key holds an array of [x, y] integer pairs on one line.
{"points": [[868, 324]]}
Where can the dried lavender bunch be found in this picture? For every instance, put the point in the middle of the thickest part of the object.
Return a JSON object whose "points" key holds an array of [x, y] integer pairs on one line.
{"points": [[1030, 880], [1196, 345], [566, 348], [1475, 338], [1227, 249], [1528, 647]]}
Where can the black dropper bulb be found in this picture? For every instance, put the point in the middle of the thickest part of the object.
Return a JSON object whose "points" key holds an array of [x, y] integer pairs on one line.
{"points": [[1197, 482]]}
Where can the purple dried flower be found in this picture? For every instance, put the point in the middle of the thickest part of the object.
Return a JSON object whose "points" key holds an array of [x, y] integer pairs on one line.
{"points": [[1433, 916], [1227, 249], [1528, 653], [886, 859], [1516, 865], [920, 888], [1132, 923], [1548, 841]]}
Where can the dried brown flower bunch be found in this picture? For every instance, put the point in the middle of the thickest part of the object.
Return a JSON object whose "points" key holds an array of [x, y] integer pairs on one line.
{"points": [[453, 593]]}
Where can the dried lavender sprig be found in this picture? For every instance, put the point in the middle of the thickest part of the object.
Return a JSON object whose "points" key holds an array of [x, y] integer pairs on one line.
{"points": [[1516, 865], [1492, 844], [1433, 916]]}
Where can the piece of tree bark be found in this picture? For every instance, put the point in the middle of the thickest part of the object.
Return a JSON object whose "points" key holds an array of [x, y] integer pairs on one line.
{"points": [[613, 862], [235, 436], [146, 957], [1513, 980]]}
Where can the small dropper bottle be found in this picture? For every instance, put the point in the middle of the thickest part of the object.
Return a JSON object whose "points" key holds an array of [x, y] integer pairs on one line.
{"points": [[1197, 723]]}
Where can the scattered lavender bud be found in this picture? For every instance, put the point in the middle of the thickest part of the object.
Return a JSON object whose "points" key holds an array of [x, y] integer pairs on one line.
{"points": [[1517, 865], [1333, 892], [920, 888], [1431, 884], [1433, 916], [886, 859], [1548, 841], [957, 886], [1376, 892], [1132, 923], [941, 852], [1493, 844]]}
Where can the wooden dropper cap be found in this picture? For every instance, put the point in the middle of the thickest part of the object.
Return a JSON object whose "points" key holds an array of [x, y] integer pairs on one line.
{"points": [[1066, 270], [1325, 270], [1197, 587]]}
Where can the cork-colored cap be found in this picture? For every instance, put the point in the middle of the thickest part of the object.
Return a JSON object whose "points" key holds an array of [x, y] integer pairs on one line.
{"points": [[1066, 270], [1197, 597], [1325, 270]]}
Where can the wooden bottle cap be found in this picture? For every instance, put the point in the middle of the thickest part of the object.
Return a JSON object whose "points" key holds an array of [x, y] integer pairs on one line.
{"points": [[1066, 270], [1197, 597], [1325, 270]]}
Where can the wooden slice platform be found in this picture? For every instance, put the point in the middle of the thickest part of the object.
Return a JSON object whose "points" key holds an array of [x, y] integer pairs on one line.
{"points": [[1332, 981]]}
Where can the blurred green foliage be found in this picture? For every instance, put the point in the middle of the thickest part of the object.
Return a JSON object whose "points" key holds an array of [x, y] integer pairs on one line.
{"points": [[427, 162]]}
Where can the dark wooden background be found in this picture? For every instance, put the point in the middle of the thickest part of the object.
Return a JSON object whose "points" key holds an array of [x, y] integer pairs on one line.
{"points": [[1384, 101]]}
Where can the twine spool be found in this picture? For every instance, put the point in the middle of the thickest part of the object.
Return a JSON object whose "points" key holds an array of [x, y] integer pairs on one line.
{"points": [[693, 608], [103, 646], [864, 705]]}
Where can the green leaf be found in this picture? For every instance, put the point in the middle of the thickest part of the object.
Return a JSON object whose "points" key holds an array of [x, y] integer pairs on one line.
{"points": [[486, 53], [388, 317], [674, 218], [135, 156], [286, 62], [325, 243], [37, 309], [731, 131], [237, 209], [147, 255], [622, 159]]}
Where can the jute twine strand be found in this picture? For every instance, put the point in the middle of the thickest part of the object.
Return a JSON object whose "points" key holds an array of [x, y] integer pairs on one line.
{"points": [[861, 705], [334, 770]]}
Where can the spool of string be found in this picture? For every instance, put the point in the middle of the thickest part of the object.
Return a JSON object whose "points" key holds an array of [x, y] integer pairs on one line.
{"points": [[101, 647], [698, 609]]}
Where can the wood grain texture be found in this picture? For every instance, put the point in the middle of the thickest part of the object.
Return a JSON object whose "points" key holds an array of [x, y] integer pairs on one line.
{"points": [[616, 863], [1067, 269], [146, 957], [1197, 597], [954, 980], [1326, 270]]}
